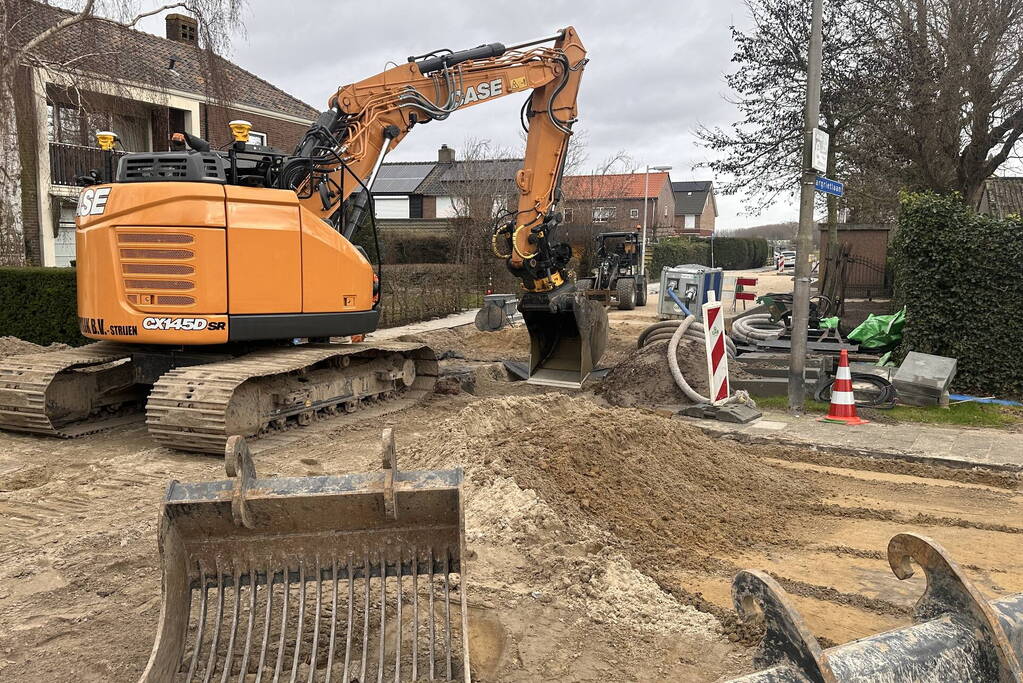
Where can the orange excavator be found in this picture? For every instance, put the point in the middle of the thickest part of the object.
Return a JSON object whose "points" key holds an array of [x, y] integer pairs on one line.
{"points": [[215, 280]]}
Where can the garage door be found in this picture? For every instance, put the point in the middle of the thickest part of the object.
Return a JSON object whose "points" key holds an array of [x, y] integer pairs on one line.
{"points": [[391, 207]]}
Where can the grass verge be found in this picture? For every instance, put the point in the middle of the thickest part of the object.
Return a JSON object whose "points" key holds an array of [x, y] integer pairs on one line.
{"points": [[959, 414]]}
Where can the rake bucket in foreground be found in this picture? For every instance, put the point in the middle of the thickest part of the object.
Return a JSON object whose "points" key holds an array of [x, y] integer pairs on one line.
{"points": [[328, 578]]}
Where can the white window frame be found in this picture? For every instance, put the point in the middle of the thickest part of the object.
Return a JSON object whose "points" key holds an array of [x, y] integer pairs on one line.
{"points": [[633, 213], [604, 214]]}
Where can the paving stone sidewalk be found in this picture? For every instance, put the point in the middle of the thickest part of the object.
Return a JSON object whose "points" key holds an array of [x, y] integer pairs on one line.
{"points": [[957, 446]]}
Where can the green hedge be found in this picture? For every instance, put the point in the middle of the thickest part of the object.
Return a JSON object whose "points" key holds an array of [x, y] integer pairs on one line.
{"points": [[959, 275], [40, 305], [730, 253], [406, 246]]}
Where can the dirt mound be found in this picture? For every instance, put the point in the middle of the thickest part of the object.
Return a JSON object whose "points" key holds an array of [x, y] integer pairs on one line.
{"points": [[642, 378], [509, 343], [12, 346], [655, 485]]}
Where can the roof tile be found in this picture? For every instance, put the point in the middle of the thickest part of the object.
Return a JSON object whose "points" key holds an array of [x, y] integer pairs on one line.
{"points": [[105, 47]]}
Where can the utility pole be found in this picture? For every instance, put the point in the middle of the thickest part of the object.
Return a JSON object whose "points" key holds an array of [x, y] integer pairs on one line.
{"points": [[646, 210], [801, 290]]}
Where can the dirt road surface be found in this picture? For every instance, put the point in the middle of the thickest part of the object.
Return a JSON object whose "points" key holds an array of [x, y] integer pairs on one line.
{"points": [[602, 539]]}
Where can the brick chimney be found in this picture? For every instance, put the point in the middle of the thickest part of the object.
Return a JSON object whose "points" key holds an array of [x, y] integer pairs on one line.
{"points": [[445, 155], [182, 29]]}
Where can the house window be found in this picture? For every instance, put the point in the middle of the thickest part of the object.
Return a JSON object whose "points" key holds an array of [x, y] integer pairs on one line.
{"points": [[690, 222], [633, 213], [603, 214], [569, 215], [415, 206], [257, 138]]}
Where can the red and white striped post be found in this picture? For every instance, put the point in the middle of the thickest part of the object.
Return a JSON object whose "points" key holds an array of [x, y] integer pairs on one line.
{"points": [[717, 359]]}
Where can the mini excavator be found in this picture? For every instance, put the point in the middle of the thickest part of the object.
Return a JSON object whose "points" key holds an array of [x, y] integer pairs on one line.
{"points": [[215, 280]]}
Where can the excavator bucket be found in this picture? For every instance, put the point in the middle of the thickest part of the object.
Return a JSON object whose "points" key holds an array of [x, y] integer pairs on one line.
{"points": [[567, 336], [957, 634], [330, 578]]}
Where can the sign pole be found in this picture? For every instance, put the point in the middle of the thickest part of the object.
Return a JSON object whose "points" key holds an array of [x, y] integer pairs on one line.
{"points": [[801, 290]]}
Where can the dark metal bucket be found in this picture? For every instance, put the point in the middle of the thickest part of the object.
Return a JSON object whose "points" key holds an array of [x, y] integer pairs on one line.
{"points": [[567, 336], [355, 577]]}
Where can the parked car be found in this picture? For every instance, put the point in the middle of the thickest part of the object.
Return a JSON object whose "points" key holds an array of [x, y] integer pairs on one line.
{"points": [[786, 259]]}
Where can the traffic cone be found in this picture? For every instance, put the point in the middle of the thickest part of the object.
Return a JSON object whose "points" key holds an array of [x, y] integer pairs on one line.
{"points": [[843, 403]]}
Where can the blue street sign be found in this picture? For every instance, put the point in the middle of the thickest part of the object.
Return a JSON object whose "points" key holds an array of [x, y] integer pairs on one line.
{"points": [[829, 186]]}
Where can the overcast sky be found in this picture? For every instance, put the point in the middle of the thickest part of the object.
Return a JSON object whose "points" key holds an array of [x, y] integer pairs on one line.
{"points": [[656, 70]]}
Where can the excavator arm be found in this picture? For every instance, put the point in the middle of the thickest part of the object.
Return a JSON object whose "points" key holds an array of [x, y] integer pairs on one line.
{"points": [[335, 165], [341, 153]]}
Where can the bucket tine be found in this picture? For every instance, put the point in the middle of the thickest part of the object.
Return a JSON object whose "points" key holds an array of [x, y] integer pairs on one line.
{"points": [[433, 624], [447, 613], [241, 540], [351, 617], [212, 664], [301, 620], [266, 623], [284, 624], [333, 624], [204, 594], [316, 621], [397, 630], [365, 621], [248, 628], [234, 627], [415, 614]]}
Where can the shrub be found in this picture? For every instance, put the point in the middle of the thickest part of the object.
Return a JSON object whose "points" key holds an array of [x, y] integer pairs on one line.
{"points": [[406, 246], [414, 292], [674, 251], [958, 274], [40, 305]]}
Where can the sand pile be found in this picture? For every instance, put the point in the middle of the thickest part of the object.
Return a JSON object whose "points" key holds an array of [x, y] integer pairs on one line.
{"points": [[509, 343], [12, 346], [586, 492], [642, 378]]}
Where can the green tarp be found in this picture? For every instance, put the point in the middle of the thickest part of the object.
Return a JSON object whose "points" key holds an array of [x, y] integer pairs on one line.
{"points": [[879, 331]]}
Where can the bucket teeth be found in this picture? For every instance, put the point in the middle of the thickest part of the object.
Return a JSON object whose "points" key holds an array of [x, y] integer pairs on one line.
{"points": [[324, 585]]}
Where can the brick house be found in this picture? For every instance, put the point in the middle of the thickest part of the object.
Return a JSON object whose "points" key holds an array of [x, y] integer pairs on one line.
{"points": [[141, 86], [615, 201], [695, 207], [427, 194]]}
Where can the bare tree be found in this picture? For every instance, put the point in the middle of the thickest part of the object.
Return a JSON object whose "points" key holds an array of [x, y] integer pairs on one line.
{"points": [[952, 111], [482, 189], [63, 43]]}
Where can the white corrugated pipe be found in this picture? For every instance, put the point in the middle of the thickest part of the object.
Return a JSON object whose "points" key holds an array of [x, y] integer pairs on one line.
{"points": [[759, 326], [676, 372]]}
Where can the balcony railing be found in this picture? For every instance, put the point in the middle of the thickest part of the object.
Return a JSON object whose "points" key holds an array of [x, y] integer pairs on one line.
{"points": [[68, 161]]}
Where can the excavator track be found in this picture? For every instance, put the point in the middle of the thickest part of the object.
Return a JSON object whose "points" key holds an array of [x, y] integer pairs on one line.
{"points": [[197, 408], [69, 393]]}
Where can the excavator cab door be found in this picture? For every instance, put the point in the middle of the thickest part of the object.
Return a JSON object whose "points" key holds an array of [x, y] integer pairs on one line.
{"points": [[567, 336]]}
